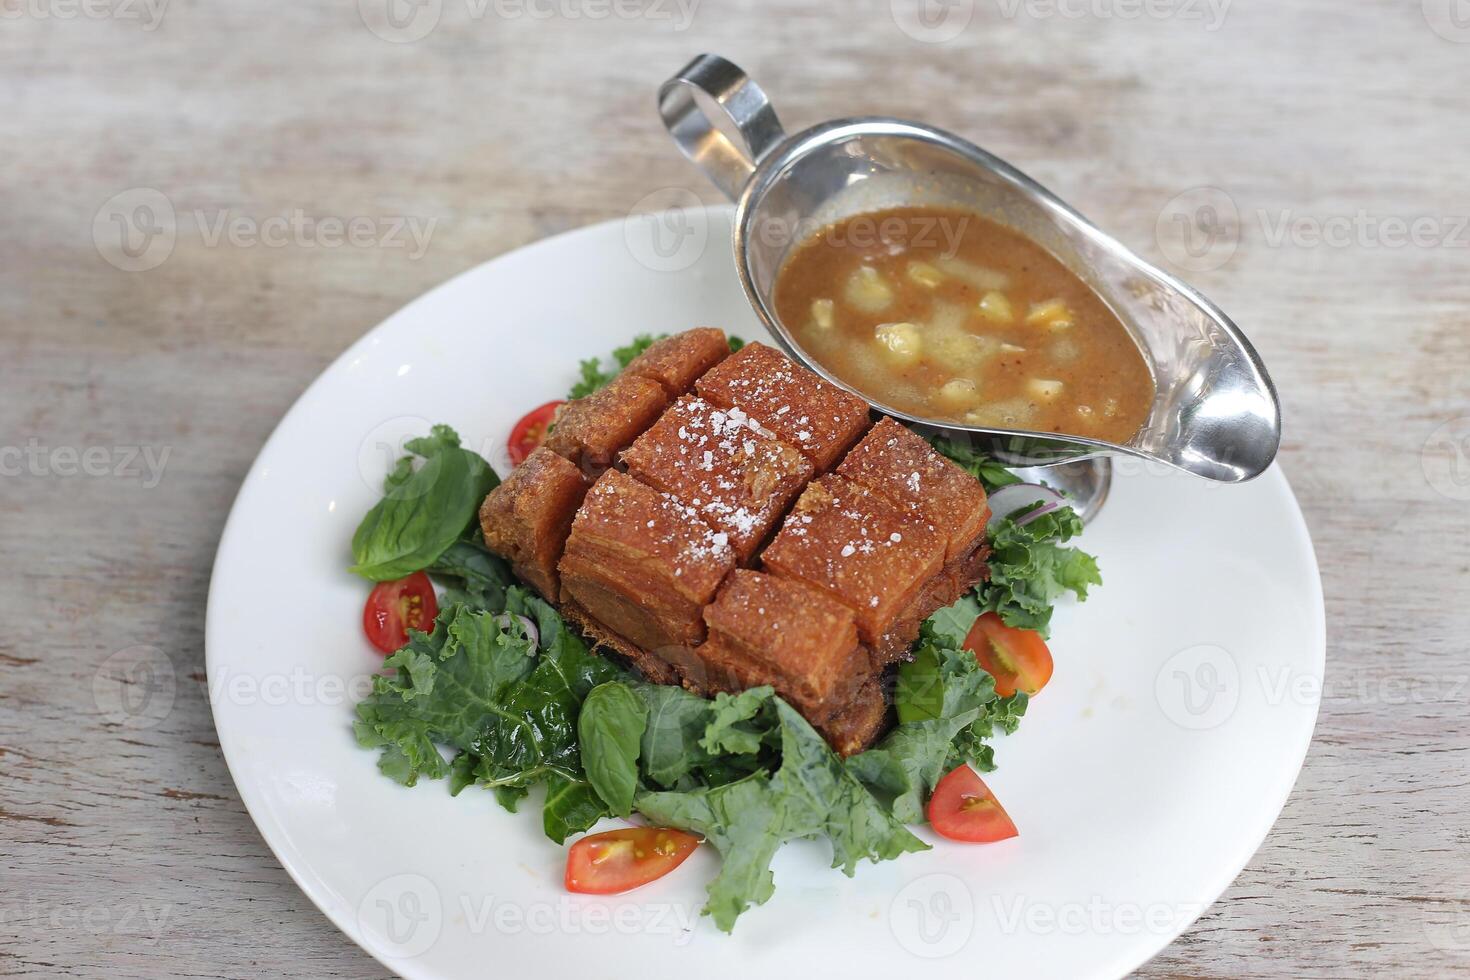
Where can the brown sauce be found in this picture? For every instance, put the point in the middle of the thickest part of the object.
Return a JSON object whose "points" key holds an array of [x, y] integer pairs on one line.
{"points": [[946, 315]]}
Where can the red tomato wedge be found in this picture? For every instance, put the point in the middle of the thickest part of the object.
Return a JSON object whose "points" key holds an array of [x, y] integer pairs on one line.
{"points": [[963, 808], [618, 860], [1018, 659], [393, 608], [530, 431]]}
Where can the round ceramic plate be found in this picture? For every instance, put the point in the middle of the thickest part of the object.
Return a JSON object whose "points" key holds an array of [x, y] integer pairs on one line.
{"points": [[1142, 779]]}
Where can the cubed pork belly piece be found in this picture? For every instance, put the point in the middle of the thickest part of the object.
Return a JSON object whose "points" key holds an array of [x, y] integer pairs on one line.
{"points": [[527, 518], [857, 726], [802, 409], [642, 564], [954, 580], [675, 362], [857, 548], [765, 630], [737, 475], [899, 464], [591, 431]]}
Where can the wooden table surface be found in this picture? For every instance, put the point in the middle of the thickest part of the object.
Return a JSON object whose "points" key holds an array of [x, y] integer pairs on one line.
{"points": [[1304, 163]]}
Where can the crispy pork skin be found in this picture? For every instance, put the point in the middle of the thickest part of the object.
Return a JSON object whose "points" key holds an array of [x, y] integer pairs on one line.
{"points": [[592, 431], [899, 464], [674, 362], [736, 474], [858, 549], [818, 418]]}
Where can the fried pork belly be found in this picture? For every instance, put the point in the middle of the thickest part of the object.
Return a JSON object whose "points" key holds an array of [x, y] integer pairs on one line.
{"points": [[858, 725], [526, 518], [674, 362], [765, 630], [737, 475], [803, 410], [672, 564], [591, 431], [643, 564], [899, 464], [851, 544]]}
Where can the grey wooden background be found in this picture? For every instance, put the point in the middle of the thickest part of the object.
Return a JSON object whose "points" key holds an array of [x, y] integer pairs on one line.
{"points": [[1305, 163]]}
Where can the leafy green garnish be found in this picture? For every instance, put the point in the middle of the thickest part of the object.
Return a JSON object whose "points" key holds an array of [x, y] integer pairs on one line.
{"points": [[1030, 568], [611, 729], [477, 685], [811, 794], [425, 509]]}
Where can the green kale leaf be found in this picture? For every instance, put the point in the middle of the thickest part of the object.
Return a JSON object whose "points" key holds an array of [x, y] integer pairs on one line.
{"points": [[1030, 568]]}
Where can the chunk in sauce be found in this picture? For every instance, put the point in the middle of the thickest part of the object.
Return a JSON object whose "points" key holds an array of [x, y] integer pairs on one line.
{"points": [[946, 315]]}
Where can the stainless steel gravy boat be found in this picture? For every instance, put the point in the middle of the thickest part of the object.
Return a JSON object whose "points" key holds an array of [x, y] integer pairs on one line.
{"points": [[1215, 413]]}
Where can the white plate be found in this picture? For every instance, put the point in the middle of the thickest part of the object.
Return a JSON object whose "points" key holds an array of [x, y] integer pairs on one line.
{"points": [[1142, 779]]}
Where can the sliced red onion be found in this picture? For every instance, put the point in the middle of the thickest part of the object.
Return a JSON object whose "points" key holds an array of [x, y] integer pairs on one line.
{"points": [[1018, 496], [503, 620]]}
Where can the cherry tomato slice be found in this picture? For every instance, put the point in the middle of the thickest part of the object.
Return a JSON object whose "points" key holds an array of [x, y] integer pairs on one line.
{"points": [[393, 608], [618, 860], [1017, 659], [530, 431], [963, 808]]}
